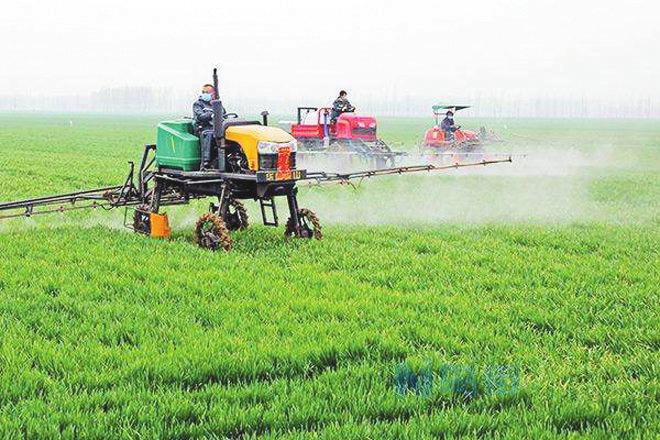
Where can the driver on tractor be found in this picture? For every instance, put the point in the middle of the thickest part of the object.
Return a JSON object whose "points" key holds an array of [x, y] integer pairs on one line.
{"points": [[341, 105], [448, 127], [203, 123]]}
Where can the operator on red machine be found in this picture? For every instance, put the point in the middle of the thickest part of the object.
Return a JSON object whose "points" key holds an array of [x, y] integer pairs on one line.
{"points": [[341, 105], [447, 125]]}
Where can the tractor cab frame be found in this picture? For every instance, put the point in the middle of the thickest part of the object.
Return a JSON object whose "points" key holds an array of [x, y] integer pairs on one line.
{"points": [[348, 126], [350, 133]]}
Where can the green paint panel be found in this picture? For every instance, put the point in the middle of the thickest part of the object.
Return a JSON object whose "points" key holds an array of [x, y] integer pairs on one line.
{"points": [[176, 146]]}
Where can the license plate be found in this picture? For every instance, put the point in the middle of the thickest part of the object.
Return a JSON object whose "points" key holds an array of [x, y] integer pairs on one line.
{"points": [[274, 176]]}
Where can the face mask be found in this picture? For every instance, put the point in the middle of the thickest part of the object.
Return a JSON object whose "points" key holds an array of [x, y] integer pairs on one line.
{"points": [[206, 97], [451, 118]]}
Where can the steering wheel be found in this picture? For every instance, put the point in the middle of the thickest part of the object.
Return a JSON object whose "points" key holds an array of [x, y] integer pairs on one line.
{"points": [[231, 115]]}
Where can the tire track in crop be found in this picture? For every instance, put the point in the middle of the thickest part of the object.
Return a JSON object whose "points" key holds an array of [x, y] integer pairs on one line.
{"points": [[384, 416], [327, 360]]}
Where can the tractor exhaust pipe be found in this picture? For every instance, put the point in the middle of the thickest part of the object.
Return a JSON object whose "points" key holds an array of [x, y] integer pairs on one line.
{"points": [[218, 122]]}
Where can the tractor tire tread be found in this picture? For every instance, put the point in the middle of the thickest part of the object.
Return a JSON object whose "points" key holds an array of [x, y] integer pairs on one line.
{"points": [[242, 213], [313, 219], [221, 229]]}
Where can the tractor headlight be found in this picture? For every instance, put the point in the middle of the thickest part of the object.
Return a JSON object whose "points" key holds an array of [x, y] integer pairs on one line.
{"points": [[265, 147]]}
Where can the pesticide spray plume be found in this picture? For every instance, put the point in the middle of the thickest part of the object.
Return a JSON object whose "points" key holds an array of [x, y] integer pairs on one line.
{"points": [[542, 185]]}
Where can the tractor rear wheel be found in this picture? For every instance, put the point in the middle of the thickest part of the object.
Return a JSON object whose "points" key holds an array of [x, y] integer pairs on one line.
{"points": [[236, 217], [310, 226], [212, 233]]}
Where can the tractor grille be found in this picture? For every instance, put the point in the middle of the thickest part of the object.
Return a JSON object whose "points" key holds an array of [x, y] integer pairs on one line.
{"points": [[269, 161], [364, 131]]}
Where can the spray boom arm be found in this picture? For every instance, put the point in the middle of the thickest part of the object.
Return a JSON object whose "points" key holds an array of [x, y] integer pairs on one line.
{"points": [[323, 177]]}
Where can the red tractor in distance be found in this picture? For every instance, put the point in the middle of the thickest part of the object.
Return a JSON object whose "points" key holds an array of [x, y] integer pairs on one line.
{"points": [[317, 133], [466, 144], [436, 138]]}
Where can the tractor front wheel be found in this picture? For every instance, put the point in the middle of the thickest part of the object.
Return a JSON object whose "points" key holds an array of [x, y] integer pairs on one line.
{"points": [[212, 233], [237, 217], [310, 226]]}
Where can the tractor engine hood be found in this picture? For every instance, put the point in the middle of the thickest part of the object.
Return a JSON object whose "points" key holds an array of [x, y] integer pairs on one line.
{"points": [[355, 119], [249, 137], [257, 133]]}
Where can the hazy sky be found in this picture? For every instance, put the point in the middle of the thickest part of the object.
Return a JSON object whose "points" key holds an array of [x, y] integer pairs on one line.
{"points": [[313, 48]]}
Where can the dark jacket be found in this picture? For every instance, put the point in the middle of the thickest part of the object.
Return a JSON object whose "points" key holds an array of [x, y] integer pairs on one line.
{"points": [[448, 125], [203, 115], [340, 106]]}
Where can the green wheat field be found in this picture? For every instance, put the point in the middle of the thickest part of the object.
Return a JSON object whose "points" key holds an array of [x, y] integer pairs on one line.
{"points": [[550, 265]]}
